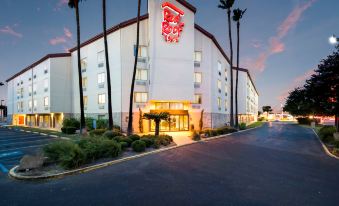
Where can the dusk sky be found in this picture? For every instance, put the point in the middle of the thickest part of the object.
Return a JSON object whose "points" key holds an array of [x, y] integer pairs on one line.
{"points": [[282, 41]]}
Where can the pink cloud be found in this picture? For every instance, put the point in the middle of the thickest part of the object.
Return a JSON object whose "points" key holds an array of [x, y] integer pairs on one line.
{"points": [[256, 44], [57, 40], [10, 31], [67, 33], [275, 42]]}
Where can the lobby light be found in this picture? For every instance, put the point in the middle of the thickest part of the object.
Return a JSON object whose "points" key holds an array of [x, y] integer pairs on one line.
{"points": [[333, 39]]}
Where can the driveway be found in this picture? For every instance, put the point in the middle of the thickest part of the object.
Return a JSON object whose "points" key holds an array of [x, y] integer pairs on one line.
{"points": [[279, 165], [15, 143]]}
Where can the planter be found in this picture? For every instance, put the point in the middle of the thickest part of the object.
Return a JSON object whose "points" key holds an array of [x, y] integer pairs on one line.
{"points": [[336, 136]]}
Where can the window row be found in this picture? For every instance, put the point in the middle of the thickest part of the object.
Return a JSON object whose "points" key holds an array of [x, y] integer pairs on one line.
{"points": [[32, 103]]}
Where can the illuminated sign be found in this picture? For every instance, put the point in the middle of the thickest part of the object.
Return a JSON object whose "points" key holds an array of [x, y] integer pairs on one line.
{"points": [[171, 23]]}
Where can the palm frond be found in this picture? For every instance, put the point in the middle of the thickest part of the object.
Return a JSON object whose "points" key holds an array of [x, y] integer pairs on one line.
{"points": [[226, 4], [238, 14]]}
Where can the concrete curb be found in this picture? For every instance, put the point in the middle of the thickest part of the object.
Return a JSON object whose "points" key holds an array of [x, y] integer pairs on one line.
{"points": [[324, 146], [14, 175]]}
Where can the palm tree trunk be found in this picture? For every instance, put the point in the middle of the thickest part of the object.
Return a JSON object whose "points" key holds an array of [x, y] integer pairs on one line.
{"points": [[82, 115], [130, 114], [231, 64], [108, 73], [157, 127], [237, 78]]}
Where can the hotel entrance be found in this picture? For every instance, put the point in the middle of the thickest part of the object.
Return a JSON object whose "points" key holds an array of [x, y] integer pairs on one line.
{"points": [[179, 119]]}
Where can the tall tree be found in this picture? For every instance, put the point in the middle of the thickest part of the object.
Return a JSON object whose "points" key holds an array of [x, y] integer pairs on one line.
{"points": [[227, 5], [157, 117], [136, 53], [267, 109], [237, 15], [108, 73], [74, 4]]}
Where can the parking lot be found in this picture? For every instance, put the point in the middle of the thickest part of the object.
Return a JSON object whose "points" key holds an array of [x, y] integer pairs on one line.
{"points": [[14, 144]]}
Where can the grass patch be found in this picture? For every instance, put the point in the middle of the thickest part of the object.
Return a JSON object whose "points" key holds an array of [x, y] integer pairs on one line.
{"points": [[255, 124]]}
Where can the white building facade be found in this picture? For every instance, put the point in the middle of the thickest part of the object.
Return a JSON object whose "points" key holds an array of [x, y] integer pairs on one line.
{"points": [[181, 70]]}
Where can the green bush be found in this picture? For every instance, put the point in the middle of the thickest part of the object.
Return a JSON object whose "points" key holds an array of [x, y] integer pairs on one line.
{"points": [[102, 124], [242, 126], [196, 136], [68, 130], [111, 134], [165, 139], [124, 145], [97, 132], [326, 133], [66, 153], [71, 122], [336, 144], [134, 137], [148, 141], [304, 120], [260, 119], [89, 123], [128, 140], [139, 146]]}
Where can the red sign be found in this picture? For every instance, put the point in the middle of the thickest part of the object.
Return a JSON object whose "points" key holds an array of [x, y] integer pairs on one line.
{"points": [[171, 23]]}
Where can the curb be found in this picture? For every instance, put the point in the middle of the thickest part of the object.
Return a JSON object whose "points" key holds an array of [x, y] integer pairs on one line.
{"points": [[14, 175], [324, 146]]}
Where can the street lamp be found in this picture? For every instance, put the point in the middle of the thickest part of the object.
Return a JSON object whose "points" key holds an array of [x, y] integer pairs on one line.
{"points": [[333, 39]]}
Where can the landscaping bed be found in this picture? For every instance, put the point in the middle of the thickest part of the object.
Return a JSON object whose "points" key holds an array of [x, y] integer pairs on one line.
{"points": [[101, 146]]}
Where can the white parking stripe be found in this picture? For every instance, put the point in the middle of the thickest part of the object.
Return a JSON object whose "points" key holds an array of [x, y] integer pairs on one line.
{"points": [[23, 142], [18, 148]]}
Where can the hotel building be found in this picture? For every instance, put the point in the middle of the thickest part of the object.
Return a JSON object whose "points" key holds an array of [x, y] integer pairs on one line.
{"points": [[181, 69]]}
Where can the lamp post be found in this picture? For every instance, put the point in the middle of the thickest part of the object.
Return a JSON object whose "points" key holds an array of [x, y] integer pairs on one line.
{"points": [[333, 39]]}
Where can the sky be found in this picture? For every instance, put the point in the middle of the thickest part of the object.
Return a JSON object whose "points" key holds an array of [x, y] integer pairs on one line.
{"points": [[281, 43]]}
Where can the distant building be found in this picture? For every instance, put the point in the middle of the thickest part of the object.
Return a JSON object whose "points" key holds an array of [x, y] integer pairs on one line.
{"points": [[181, 69]]}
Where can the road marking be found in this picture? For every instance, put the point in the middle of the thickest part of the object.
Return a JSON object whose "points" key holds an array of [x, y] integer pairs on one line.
{"points": [[3, 168], [23, 138], [26, 142], [11, 154], [23, 147]]}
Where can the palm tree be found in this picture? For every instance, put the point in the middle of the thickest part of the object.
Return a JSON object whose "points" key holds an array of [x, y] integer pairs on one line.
{"points": [[108, 73], [237, 15], [157, 117], [74, 4], [227, 5], [136, 53]]}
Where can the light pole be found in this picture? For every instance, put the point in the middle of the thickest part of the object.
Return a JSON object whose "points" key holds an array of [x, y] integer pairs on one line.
{"points": [[333, 39]]}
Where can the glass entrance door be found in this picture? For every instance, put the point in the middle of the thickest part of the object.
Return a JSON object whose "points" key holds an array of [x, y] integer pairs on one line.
{"points": [[177, 123]]}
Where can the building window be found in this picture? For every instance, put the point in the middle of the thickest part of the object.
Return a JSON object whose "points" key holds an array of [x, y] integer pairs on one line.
{"points": [[84, 82], [46, 102], [30, 105], [34, 88], [85, 101], [197, 56], [30, 90], [34, 77], [18, 93], [197, 98], [45, 85], [140, 97], [83, 64], [225, 74], [219, 68], [197, 77], [162, 105], [101, 99], [219, 103], [101, 78], [22, 92], [176, 106], [18, 106], [142, 74], [35, 103], [226, 90], [21, 82], [101, 58], [225, 105], [219, 85], [46, 71], [142, 51]]}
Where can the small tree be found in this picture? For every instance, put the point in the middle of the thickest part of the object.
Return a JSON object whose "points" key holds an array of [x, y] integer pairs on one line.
{"points": [[141, 125], [201, 122], [267, 109], [157, 117]]}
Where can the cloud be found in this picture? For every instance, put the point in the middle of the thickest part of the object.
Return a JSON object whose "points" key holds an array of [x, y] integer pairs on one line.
{"points": [[57, 40], [10, 31], [60, 4], [256, 44], [275, 44], [64, 39]]}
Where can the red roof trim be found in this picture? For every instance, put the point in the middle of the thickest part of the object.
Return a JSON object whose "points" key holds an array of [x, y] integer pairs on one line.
{"points": [[187, 5], [211, 36], [111, 30], [249, 75], [48, 56]]}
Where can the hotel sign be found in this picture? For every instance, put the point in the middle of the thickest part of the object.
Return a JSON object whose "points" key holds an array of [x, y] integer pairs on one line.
{"points": [[171, 24]]}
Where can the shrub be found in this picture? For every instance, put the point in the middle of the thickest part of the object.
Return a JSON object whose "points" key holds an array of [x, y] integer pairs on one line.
{"points": [[260, 119], [134, 137], [336, 144], [304, 120], [111, 134], [128, 140], [139, 146], [102, 124], [118, 138], [68, 130], [97, 132], [148, 141], [89, 123], [242, 126], [196, 136], [71, 122], [326, 133], [124, 145], [95, 148], [110, 148], [165, 139], [66, 153]]}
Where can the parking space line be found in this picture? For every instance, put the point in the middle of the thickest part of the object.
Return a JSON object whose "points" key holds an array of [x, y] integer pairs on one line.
{"points": [[24, 138], [27, 142], [23, 147], [11, 154]]}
